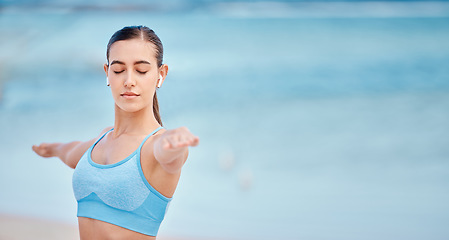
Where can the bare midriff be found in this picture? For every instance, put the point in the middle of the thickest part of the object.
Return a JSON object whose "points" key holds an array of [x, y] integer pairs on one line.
{"points": [[92, 229]]}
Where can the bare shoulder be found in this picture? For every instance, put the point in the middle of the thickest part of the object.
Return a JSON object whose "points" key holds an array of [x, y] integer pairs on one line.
{"points": [[76, 152], [105, 130], [87, 144]]}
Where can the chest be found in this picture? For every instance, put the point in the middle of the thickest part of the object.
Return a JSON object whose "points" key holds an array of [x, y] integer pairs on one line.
{"points": [[111, 151], [118, 185]]}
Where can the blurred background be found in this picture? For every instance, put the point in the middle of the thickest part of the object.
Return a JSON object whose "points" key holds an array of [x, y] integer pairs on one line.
{"points": [[317, 119]]}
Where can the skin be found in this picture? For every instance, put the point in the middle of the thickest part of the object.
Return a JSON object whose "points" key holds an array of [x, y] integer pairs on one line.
{"points": [[133, 69]]}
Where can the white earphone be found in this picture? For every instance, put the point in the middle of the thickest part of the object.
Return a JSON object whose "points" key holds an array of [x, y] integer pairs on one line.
{"points": [[107, 81], [160, 81]]}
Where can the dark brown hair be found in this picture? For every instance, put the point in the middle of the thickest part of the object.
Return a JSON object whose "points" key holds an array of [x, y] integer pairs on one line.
{"points": [[144, 33]]}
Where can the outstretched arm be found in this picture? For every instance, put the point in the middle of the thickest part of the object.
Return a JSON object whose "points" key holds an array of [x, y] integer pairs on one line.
{"points": [[171, 148], [69, 153]]}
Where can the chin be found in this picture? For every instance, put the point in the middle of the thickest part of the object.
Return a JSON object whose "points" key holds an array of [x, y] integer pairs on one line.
{"points": [[130, 108]]}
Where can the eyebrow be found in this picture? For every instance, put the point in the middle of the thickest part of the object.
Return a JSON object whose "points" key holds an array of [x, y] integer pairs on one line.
{"points": [[138, 62]]}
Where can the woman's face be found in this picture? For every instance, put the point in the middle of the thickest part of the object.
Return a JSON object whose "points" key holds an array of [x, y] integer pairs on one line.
{"points": [[133, 74]]}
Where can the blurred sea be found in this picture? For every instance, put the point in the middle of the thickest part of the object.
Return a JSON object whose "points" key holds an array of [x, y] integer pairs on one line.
{"points": [[319, 124]]}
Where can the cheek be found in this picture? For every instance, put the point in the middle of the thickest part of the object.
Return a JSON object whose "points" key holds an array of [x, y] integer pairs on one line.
{"points": [[148, 90], [115, 86], [147, 82]]}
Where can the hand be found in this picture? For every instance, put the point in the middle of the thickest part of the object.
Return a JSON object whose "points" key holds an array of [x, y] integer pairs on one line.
{"points": [[178, 138], [45, 149]]}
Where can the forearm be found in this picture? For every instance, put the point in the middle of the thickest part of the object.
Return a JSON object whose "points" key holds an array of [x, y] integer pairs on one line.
{"points": [[69, 153], [64, 151]]}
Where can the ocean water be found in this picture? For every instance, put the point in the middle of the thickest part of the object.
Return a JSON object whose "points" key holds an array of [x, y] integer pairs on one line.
{"points": [[310, 128]]}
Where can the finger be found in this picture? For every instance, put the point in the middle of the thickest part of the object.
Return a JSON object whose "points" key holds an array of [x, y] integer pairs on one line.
{"points": [[174, 142], [195, 141], [177, 141], [41, 152], [191, 141], [183, 141], [37, 149], [186, 141]]}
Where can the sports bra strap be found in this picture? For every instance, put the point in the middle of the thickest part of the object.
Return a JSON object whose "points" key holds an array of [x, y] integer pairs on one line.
{"points": [[102, 136], [149, 135], [141, 144]]}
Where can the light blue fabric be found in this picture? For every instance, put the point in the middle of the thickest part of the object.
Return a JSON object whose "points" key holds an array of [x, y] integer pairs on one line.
{"points": [[119, 193]]}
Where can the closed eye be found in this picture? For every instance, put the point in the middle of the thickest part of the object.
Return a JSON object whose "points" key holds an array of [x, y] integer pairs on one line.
{"points": [[141, 72], [117, 72]]}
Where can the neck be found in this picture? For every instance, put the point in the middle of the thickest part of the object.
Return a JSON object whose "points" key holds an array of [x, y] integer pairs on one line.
{"points": [[134, 123]]}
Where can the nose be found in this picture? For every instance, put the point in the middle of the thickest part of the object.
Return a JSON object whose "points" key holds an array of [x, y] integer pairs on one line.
{"points": [[129, 81]]}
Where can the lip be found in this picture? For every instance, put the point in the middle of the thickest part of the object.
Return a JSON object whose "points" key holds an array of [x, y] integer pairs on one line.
{"points": [[129, 95]]}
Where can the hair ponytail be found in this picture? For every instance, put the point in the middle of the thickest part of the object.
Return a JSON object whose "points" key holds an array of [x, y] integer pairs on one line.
{"points": [[156, 110]]}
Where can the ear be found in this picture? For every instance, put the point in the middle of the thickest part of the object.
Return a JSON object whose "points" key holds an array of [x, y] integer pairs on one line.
{"points": [[106, 68], [163, 71]]}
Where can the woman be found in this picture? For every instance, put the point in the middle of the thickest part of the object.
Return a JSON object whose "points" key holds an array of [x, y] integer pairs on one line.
{"points": [[125, 177]]}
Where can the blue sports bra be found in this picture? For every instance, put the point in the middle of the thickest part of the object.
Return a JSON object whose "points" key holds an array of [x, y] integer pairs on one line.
{"points": [[119, 193]]}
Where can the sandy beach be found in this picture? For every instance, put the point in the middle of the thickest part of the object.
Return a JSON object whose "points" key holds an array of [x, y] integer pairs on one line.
{"points": [[26, 228], [21, 228]]}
